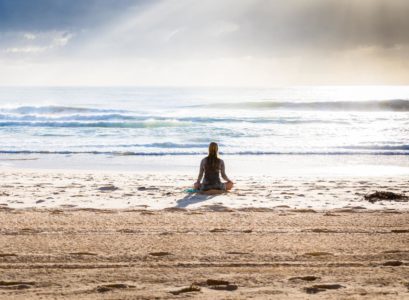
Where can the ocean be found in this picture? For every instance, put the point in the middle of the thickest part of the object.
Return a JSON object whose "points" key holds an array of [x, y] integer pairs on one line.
{"points": [[269, 124]]}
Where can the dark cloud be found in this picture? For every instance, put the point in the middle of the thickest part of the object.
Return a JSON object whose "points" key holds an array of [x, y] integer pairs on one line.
{"points": [[337, 23], [209, 28], [299, 25], [260, 28]]}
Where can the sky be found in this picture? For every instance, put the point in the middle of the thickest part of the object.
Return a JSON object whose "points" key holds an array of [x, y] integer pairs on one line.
{"points": [[251, 43]]}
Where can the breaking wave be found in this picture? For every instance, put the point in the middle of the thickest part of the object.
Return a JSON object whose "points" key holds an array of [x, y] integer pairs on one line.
{"points": [[380, 105], [52, 109], [172, 153]]}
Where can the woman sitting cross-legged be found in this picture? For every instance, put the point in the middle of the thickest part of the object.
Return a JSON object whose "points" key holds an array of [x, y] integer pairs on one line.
{"points": [[211, 166]]}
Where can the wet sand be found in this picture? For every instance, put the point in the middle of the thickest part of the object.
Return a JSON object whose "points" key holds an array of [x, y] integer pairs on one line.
{"points": [[237, 254]]}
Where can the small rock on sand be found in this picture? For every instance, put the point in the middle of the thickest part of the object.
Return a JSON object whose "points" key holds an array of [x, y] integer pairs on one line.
{"points": [[393, 263], [304, 278], [221, 285], [321, 288], [385, 195], [109, 287], [109, 187], [161, 253], [192, 288]]}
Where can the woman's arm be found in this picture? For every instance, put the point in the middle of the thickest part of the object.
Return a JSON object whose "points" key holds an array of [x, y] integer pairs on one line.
{"points": [[201, 171], [223, 172]]}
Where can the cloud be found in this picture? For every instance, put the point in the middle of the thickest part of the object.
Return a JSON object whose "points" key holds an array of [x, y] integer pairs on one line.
{"points": [[29, 36], [210, 42], [29, 49], [29, 45], [62, 40], [213, 29]]}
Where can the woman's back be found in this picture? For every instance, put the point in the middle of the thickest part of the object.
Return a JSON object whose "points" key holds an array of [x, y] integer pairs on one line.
{"points": [[211, 170], [212, 167]]}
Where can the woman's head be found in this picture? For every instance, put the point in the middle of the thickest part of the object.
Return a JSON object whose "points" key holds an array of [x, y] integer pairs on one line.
{"points": [[213, 149], [212, 159]]}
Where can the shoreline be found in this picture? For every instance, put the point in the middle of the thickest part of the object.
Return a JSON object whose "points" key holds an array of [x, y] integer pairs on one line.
{"points": [[240, 165]]}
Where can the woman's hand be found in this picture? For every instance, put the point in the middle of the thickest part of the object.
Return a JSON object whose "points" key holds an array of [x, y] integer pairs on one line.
{"points": [[229, 185]]}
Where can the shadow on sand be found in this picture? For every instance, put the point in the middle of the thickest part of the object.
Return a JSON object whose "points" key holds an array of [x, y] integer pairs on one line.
{"points": [[193, 198]]}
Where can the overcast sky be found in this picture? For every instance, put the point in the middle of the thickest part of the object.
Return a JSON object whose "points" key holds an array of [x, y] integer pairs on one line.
{"points": [[204, 43]]}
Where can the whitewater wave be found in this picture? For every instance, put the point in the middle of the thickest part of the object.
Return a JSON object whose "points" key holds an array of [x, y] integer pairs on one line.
{"points": [[375, 147], [149, 123], [379, 105], [51, 109], [41, 113], [129, 120], [153, 122], [164, 153], [76, 117], [164, 145], [170, 145]]}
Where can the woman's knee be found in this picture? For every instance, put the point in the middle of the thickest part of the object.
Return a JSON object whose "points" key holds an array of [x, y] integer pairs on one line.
{"points": [[196, 185]]}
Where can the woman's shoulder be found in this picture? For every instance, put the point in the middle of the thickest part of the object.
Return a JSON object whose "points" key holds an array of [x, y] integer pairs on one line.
{"points": [[204, 159]]}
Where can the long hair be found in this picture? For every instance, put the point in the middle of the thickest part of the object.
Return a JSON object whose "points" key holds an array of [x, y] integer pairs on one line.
{"points": [[212, 159]]}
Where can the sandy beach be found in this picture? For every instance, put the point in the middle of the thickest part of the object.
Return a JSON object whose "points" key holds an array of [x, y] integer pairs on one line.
{"points": [[118, 235], [136, 254], [24, 188]]}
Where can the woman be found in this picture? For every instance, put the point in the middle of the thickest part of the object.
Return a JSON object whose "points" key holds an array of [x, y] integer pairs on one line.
{"points": [[211, 166]]}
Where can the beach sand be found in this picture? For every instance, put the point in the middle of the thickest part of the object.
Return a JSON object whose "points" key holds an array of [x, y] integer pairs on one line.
{"points": [[25, 188], [134, 236], [112, 254]]}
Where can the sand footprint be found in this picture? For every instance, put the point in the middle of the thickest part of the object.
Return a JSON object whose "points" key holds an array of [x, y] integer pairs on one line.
{"points": [[18, 285], [392, 263], [304, 278], [8, 254], [160, 253], [218, 230], [109, 287], [316, 288], [318, 253], [83, 253], [191, 288]]}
